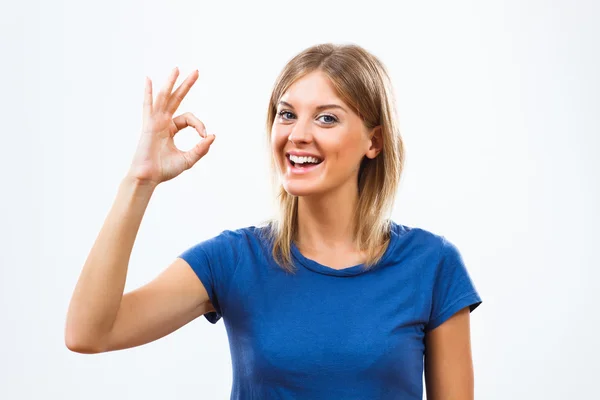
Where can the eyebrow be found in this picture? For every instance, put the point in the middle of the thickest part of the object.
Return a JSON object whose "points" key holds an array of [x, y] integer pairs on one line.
{"points": [[322, 107]]}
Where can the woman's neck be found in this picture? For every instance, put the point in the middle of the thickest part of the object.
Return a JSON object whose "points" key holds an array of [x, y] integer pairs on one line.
{"points": [[327, 221]]}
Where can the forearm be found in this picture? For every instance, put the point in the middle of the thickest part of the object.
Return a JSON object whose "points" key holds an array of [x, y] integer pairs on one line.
{"points": [[99, 290]]}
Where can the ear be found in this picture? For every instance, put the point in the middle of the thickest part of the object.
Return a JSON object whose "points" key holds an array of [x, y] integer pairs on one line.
{"points": [[375, 142]]}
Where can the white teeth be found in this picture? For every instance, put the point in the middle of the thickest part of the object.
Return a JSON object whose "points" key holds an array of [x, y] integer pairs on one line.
{"points": [[303, 159]]}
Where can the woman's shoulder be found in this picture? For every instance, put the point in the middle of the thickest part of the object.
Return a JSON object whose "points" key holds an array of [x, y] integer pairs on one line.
{"points": [[404, 229], [433, 240], [425, 236], [229, 244], [255, 230], [249, 234]]}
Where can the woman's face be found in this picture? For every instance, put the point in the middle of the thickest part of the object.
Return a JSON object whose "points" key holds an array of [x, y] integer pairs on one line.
{"points": [[318, 142]]}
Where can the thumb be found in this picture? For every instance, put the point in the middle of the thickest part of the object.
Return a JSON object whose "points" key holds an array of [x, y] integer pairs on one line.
{"points": [[199, 150]]}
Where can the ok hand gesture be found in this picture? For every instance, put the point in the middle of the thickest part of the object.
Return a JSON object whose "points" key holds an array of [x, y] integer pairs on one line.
{"points": [[157, 159]]}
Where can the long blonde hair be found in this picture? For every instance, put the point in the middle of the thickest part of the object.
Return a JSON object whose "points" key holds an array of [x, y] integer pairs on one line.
{"points": [[362, 82]]}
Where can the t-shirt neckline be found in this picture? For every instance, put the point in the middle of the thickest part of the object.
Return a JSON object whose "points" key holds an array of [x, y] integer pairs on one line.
{"points": [[348, 271]]}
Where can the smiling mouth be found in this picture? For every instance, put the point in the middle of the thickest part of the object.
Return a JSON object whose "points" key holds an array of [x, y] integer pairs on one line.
{"points": [[303, 161]]}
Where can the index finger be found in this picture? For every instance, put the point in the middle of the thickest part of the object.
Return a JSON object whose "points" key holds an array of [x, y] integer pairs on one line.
{"points": [[181, 92]]}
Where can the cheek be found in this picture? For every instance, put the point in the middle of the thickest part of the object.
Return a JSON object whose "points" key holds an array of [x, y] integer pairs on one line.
{"points": [[279, 135], [346, 149], [278, 142]]}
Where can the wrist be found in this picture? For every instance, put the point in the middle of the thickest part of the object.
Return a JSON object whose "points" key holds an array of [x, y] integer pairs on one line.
{"points": [[138, 184]]}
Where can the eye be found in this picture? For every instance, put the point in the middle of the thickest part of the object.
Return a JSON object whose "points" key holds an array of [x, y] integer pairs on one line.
{"points": [[283, 112], [332, 119], [329, 121]]}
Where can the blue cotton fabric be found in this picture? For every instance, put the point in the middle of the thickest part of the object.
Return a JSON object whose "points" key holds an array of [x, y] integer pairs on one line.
{"points": [[324, 333]]}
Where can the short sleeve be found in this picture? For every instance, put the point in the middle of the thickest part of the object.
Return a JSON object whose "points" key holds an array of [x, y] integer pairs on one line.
{"points": [[214, 261], [453, 288]]}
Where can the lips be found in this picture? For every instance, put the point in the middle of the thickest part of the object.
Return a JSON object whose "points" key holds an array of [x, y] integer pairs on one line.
{"points": [[303, 157], [299, 169], [303, 161]]}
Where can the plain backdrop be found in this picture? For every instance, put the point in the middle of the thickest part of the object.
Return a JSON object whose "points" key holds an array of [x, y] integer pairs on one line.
{"points": [[499, 109]]}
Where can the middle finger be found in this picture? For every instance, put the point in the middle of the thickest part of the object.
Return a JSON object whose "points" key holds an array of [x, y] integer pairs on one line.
{"points": [[181, 92]]}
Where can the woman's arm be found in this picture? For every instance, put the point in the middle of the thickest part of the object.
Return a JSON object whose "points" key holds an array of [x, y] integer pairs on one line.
{"points": [[100, 318], [448, 359], [97, 295]]}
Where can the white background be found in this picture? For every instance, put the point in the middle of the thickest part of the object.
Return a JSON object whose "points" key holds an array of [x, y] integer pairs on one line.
{"points": [[498, 105]]}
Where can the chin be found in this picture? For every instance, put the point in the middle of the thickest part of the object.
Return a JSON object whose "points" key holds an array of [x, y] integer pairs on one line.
{"points": [[302, 189]]}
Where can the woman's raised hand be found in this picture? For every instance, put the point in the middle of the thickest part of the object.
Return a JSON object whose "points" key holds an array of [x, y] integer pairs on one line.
{"points": [[157, 159]]}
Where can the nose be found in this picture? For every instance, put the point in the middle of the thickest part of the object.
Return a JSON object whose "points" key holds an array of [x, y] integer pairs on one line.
{"points": [[301, 133]]}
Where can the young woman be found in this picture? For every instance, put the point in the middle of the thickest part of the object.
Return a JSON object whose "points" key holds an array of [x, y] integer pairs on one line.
{"points": [[331, 300]]}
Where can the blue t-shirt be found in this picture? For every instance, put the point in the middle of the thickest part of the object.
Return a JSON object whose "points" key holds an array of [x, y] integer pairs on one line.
{"points": [[324, 333]]}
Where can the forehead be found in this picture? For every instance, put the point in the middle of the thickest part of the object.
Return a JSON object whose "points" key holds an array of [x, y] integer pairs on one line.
{"points": [[312, 89]]}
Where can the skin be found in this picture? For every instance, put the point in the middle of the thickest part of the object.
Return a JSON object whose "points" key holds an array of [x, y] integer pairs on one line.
{"points": [[326, 198], [448, 359]]}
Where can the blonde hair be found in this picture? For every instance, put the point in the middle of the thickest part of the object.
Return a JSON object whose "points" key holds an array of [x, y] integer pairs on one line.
{"points": [[363, 83]]}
